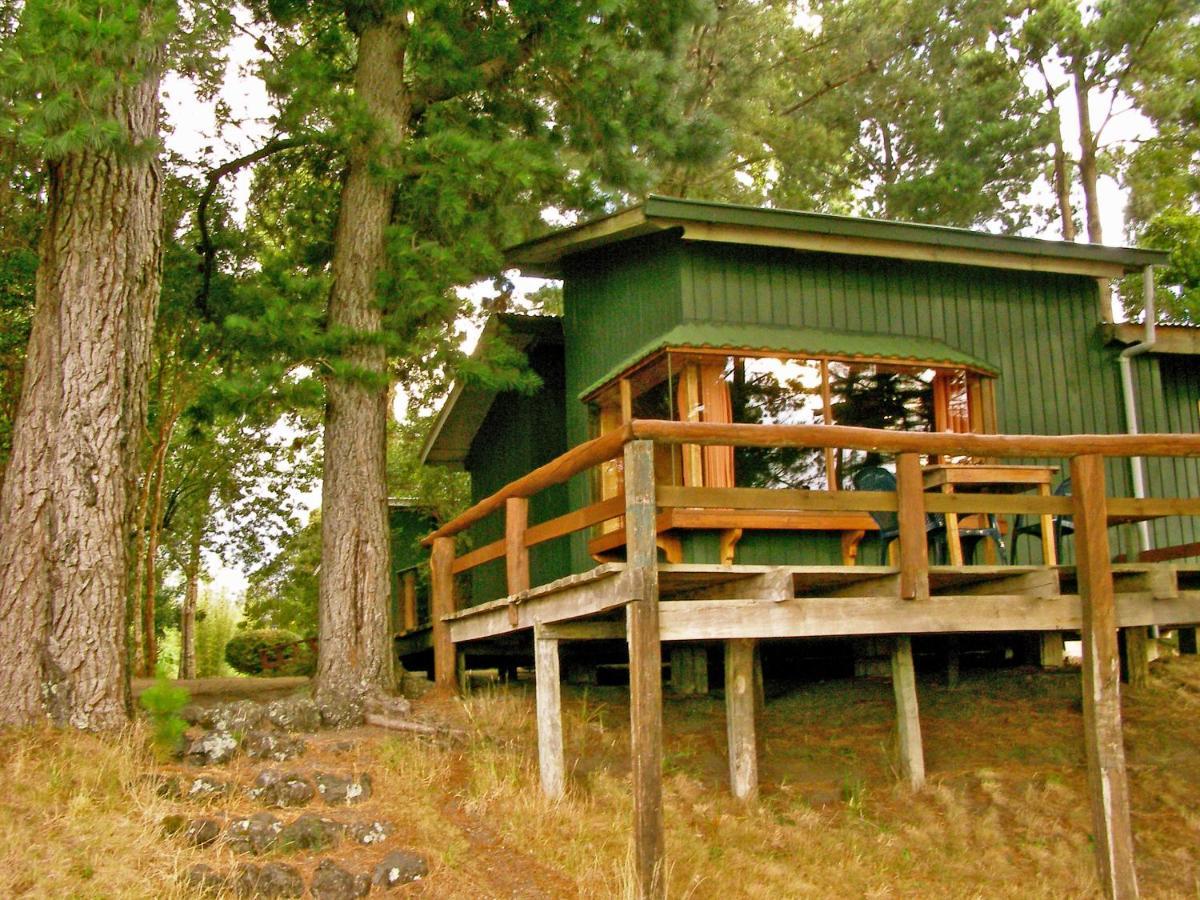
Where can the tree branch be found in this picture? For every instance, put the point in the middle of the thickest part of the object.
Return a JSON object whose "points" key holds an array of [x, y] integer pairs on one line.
{"points": [[208, 253]]}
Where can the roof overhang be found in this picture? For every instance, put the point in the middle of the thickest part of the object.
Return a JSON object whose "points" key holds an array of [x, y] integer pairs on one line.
{"points": [[1179, 340], [453, 431], [818, 232]]}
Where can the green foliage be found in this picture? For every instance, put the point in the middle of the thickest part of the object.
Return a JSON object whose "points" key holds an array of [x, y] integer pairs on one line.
{"points": [[163, 702], [282, 593], [1177, 285], [242, 651], [216, 622]]}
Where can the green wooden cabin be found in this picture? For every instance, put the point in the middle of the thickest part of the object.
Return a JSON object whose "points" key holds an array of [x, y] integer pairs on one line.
{"points": [[726, 313]]}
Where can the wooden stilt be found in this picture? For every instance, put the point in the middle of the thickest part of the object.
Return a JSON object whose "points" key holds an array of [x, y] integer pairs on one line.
{"points": [[739, 718], [1107, 784], [1137, 656], [408, 590], [645, 671], [953, 658], [760, 687], [441, 590], [908, 721], [1187, 641], [700, 671], [549, 716], [1053, 649], [681, 669]]}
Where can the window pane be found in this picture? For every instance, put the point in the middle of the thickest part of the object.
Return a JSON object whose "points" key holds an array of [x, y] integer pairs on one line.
{"points": [[898, 398], [777, 392]]}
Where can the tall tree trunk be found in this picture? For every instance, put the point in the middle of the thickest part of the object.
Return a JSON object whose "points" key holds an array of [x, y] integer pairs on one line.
{"points": [[355, 656], [1089, 174], [65, 506], [149, 660], [187, 617], [1062, 175]]}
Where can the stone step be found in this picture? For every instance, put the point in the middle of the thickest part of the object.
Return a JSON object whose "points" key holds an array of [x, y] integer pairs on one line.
{"points": [[330, 880]]}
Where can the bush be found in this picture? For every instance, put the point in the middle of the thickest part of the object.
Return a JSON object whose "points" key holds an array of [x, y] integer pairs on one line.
{"points": [[162, 702], [242, 652]]}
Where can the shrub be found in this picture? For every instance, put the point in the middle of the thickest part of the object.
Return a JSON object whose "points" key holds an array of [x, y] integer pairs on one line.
{"points": [[162, 702], [242, 651]]}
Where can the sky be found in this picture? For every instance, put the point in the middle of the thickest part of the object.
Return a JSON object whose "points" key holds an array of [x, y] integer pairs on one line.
{"points": [[195, 136]]}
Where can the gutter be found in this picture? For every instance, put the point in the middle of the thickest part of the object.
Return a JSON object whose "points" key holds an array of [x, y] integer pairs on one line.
{"points": [[1137, 465]]}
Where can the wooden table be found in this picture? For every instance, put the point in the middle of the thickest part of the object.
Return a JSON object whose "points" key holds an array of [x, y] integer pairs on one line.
{"points": [[950, 478], [732, 522]]}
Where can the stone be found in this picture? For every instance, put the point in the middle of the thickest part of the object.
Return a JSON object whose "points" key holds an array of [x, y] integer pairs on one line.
{"points": [[399, 867], [202, 831], [212, 748], [279, 880], [279, 789], [204, 879], [310, 832], [256, 834], [173, 824], [343, 791], [194, 714], [341, 712], [294, 714], [205, 787], [271, 745], [236, 717], [331, 882], [369, 832], [168, 787], [244, 879]]}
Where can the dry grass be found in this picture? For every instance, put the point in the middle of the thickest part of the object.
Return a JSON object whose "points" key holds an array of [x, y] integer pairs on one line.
{"points": [[1005, 814]]}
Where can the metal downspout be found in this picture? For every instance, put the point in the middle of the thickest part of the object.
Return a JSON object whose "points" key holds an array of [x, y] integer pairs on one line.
{"points": [[1137, 465]]}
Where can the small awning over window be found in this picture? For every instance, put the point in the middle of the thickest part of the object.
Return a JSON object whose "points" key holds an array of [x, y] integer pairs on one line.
{"points": [[800, 342]]}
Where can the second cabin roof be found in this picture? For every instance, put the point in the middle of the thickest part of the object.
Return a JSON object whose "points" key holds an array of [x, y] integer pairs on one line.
{"points": [[819, 232]]}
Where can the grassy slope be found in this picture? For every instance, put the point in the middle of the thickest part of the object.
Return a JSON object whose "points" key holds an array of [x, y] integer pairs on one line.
{"points": [[1005, 814]]}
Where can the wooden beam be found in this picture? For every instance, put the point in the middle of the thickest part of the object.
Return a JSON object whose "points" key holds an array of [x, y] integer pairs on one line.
{"points": [[441, 590], [739, 719], [706, 620], [908, 720], [1108, 786], [914, 544], [883, 441], [645, 673], [516, 553], [549, 716], [584, 631], [602, 589]]}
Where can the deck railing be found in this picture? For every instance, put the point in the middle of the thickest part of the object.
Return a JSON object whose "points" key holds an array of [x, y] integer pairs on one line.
{"points": [[1089, 506]]}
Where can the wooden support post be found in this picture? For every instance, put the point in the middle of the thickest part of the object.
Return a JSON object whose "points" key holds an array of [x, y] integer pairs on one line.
{"points": [[739, 718], [408, 593], [645, 671], [760, 686], [908, 721], [953, 661], [1053, 649], [914, 546], [441, 589], [549, 716], [1107, 784], [700, 671], [1187, 641], [681, 669], [1137, 656], [516, 554]]}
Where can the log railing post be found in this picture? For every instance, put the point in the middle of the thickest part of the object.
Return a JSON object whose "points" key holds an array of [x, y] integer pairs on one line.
{"points": [[645, 669], [408, 594], [914, 545], [441, 589], [516, 554], [1107, 783]]}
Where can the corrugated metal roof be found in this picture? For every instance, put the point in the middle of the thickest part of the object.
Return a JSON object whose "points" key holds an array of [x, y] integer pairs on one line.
{"points": [[801, 342], [705, 220]]}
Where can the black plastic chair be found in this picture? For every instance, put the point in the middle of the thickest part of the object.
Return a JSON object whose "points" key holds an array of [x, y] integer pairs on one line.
{"points": [[991, 532], [1031, 526], [877, 478]]}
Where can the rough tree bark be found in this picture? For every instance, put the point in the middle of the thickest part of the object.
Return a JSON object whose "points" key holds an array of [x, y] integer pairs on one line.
{"points": [[355, 656], [187, 615], [65, 506]]}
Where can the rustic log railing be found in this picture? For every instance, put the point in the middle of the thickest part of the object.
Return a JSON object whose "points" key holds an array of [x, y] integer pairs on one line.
{"points": [[1090, 507]]}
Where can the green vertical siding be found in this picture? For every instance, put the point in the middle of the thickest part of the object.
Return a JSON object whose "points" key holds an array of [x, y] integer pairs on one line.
{"points": [[520, 433]]}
